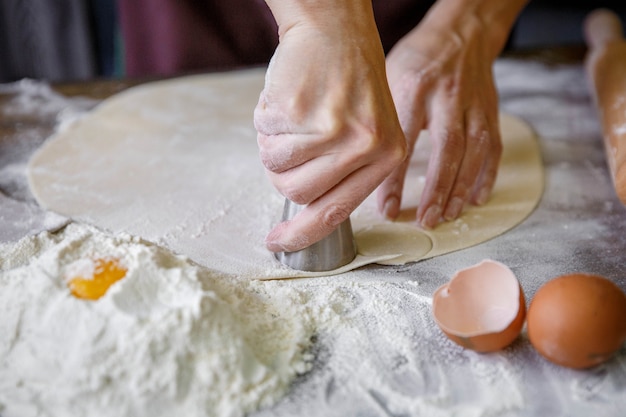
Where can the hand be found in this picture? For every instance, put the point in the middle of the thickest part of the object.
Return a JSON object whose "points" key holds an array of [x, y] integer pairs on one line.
{"points": [[440, 76], [328, 132]]}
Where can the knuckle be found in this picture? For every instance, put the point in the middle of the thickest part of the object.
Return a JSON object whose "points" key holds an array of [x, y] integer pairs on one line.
{"points": [[497, 148], [274, 161], [453, 143], [398, 152], [441, 188], [392, 156], [334, 215], [450, 85], [461, 191], [271, 120], [490, 144], [261, 122], [463, 186], [369, 144], [295, 194], [418, 77], [275, 155], [269, 163], [483, 138], [480, 138], [391, 149], [264, 153]]}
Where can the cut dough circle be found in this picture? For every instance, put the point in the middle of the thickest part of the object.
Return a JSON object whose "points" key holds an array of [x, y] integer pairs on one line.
{"points": [[407, 242], [176, 162]]}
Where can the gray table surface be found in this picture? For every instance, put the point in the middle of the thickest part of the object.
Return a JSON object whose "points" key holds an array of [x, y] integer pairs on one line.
{"points": [[579, 226]]}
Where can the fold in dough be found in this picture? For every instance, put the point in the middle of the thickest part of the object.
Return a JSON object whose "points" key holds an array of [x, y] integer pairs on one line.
{"points": [[176, 163]]}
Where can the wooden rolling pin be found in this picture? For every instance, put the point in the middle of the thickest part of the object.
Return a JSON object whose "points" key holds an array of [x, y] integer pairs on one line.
{"points": [[605, 64]]}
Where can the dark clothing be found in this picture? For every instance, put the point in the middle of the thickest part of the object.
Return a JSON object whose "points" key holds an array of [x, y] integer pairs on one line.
{"points": [[172, 36], [64, 40], [45, 39]]}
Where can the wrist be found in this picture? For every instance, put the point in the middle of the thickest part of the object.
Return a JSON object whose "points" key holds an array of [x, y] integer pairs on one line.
{"points": [[322, 14], [489, 20], [499, 18]]}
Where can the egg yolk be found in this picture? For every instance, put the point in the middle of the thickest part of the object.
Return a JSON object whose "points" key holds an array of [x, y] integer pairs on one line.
{"points": [[106, 273]]}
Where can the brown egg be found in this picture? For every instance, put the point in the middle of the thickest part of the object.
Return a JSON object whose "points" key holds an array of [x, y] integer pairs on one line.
{"points": [[577, 320], [482, 307]]}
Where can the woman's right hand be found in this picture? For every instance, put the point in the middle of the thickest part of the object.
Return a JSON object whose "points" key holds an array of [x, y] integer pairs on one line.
{"points": [[328, 133]]}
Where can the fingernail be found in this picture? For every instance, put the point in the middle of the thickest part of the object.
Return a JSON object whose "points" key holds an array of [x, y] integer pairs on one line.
{"points": [[391, 208], [281, 239], [455, 206], [483, 196], [272, 241], [431, 217]]}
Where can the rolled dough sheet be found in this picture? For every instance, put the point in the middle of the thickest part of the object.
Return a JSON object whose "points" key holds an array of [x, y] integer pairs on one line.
{"points": [[176, 163]]}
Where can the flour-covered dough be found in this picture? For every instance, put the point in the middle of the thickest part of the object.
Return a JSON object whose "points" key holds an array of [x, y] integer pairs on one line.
{"points": [[176, 162]]}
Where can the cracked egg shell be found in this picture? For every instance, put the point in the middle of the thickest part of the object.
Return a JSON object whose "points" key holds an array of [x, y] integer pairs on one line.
{"points": [[577, 320], [482, 307]]}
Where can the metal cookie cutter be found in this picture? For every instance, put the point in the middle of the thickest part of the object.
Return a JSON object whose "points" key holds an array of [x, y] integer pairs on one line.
{"points": [[332, 252]]}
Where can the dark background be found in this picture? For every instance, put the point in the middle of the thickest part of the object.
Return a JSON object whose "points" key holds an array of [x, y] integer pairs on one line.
{"points": [[69, 40]]}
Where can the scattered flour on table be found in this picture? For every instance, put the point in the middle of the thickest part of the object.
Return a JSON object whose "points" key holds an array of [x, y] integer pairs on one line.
{"points": [[387, 357], [38, 97]]}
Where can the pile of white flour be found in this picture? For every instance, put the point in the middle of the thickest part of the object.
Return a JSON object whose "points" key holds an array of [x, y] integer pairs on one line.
{"points": [[174, 338], [171, 338]]}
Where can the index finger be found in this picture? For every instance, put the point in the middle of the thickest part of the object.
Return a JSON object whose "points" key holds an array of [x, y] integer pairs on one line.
{"points": [[447, 132], [322, 216]]}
